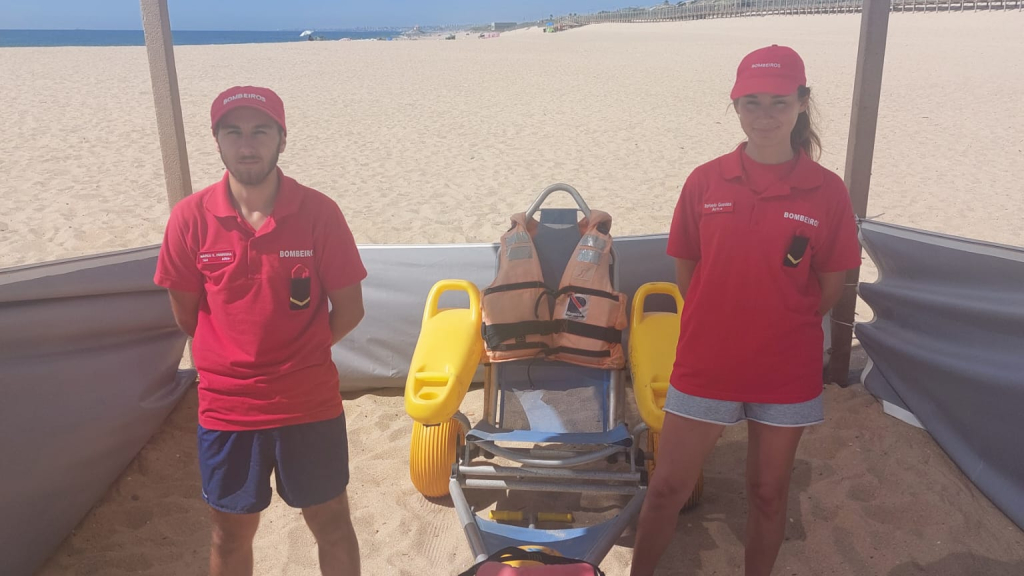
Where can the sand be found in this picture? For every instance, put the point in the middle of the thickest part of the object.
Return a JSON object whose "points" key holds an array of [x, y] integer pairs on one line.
{"points": [[432, 141], [870, 496]]}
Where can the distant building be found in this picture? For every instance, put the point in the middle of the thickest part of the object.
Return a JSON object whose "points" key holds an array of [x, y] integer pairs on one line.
{"points": [[503, 26]]}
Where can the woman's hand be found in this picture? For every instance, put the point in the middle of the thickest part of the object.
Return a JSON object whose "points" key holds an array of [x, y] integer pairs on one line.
{"points": [[832, 284]]}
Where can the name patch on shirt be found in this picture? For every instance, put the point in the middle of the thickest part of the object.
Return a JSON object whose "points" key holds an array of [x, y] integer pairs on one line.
{"points": [[296, 254], [217, 257], [717, 207]]}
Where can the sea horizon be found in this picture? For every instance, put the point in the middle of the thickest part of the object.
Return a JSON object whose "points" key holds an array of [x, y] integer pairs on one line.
{"points": [[34, 38]]}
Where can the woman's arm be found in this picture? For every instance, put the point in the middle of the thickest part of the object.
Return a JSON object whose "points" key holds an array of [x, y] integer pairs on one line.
{"points": [[684, 273], [831, 289]]}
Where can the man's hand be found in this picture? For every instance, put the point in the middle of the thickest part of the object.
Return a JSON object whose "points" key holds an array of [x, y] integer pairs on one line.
{"points": [[185, 306], [346, 310]]}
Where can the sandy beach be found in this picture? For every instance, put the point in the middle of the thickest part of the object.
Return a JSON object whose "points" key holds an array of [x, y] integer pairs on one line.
{"points": [[431, 141], [870, 496]]}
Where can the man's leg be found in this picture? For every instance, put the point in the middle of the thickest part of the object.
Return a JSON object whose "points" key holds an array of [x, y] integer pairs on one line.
{"points": [[235, 469], [312, 474], [231, 547], [336, 540]]}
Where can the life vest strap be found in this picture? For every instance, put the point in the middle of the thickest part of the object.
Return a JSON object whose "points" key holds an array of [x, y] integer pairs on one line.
{"points": [[521, 346], [514, 286], [604, 333], [495, 334], [545, 291], [588, 291], [578, 352]]}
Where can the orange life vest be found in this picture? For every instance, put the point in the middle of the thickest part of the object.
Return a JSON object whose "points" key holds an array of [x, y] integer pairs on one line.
{"points": [[589, 315]]}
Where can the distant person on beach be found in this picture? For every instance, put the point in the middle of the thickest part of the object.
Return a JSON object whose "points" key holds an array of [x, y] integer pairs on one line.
{"points": [[762, 237], [251, 263]]}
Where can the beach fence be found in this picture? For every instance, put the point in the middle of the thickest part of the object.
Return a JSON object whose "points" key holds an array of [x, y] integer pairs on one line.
{"points": [[707, 9]]}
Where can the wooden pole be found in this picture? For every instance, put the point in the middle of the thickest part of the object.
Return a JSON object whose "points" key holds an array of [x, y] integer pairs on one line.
{"points": [[867, 90], [169, 123]]}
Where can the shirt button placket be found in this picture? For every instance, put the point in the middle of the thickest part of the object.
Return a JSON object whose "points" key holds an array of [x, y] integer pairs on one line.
{"points": [[255, 270]]}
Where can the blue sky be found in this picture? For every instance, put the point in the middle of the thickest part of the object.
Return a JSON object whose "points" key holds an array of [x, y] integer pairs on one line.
{"points": [[286, 14]]}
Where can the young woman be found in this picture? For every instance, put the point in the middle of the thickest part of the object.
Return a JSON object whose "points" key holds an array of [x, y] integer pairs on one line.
{"points": [[762, 238]]}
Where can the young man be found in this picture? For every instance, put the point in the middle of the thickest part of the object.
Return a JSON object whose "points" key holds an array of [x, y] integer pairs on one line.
{"points": [[250, 264]]}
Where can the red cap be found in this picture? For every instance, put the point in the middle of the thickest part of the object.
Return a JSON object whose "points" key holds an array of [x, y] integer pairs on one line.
{"points": [[775, 70], [251, 96]]}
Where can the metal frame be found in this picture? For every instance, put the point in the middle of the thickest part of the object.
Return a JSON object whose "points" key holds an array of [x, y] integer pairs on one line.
{"points": [[598, 549], [558, 188], [493, 398]]}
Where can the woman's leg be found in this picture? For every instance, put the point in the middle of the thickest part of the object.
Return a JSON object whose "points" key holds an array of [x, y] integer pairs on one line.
{"points": [[771, 451], [684, 445]]}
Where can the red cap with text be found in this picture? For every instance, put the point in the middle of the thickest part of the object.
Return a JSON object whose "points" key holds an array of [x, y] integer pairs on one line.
{"points": [[773, 70], [248, 96]]}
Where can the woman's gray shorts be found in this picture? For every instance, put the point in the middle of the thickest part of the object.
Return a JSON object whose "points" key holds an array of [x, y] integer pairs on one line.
{"points": [[729, 413]]}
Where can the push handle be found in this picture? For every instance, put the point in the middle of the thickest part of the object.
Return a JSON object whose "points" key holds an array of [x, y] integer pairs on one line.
{"points": [[558, 188], [649, 289], [443, 286]]}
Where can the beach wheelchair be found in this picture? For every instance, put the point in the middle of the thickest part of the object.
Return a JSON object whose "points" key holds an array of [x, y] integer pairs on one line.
{"points": [[547, 425]]}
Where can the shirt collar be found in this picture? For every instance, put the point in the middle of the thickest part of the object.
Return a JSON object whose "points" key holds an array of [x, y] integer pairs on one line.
{"points": [[807, 173], [289, 197]]}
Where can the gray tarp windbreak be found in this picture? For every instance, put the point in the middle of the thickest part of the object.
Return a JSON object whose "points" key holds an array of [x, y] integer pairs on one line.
{"points": [[947, 344], [89, 358]]}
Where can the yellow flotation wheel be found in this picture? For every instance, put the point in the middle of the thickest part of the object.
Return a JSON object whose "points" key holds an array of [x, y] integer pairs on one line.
{"points": [[652, 449], [431, 455]]}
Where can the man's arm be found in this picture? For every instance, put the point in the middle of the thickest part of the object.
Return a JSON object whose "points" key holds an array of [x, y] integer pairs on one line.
{"points": [[831, 289], [346, 310], [185, 306]]}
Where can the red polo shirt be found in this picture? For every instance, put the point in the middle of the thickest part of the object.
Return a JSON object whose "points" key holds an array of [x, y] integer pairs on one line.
{"points": [[263, 343], [750, 330]]}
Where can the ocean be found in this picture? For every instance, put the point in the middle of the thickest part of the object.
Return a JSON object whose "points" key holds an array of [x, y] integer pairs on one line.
{"points": [[24, 38]]}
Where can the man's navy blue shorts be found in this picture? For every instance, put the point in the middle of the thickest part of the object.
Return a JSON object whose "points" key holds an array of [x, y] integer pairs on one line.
{"points": [[310, 462]]}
